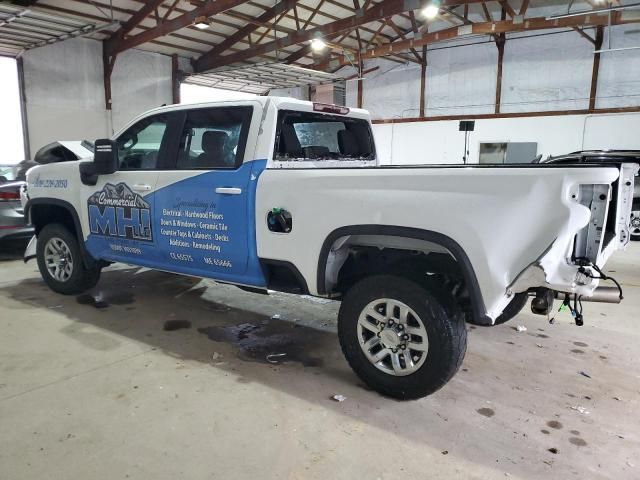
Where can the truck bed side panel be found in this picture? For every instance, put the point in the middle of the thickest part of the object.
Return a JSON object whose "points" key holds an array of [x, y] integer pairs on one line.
{"points": [[503, 218]]}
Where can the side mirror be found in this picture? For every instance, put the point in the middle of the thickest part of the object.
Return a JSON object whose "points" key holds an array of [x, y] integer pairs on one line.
{"points": [[105, 159]]}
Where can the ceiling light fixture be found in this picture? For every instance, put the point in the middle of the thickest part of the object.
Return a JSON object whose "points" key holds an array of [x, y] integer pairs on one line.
{"points": [[431, 11], [318, 45], [202, 23]]}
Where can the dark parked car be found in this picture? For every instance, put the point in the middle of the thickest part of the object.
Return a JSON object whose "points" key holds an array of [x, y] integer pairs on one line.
{"points": [[60, 151], [13, 177], [609, 156], [12, 222]]}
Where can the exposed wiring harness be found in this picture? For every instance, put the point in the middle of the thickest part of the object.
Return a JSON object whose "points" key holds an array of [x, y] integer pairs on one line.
{"points": [[576, 308], [585, 262]]}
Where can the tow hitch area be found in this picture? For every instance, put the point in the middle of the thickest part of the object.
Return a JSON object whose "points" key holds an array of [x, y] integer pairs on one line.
{"points": [[542, 304]]}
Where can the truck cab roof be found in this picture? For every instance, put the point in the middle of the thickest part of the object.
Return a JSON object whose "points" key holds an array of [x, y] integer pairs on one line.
{"points": [[279, 103]]}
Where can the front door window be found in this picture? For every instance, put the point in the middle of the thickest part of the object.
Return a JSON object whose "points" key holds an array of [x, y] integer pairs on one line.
{"points": [[139, 146]]}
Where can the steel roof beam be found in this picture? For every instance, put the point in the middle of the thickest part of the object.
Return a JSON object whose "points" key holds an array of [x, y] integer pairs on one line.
{"points": [[485, 28], [116, 45], [24, 3], [138, 17], [142, 27], [382, 10]]}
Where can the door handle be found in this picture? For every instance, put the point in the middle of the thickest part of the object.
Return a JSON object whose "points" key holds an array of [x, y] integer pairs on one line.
{"points": [[228, 190], [141, 187]]}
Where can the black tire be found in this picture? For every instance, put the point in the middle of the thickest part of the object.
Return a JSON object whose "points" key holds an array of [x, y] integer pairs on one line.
{"points": [[514, 308], [633, 221], [81, 278], [443, 322]]}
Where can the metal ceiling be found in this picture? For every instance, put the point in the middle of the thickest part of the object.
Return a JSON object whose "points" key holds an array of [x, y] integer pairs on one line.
{"points": [[192, 43], [22, 29], [257, 32], [260, 78]]}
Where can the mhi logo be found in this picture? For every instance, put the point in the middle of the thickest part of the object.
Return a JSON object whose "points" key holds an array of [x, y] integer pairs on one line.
{"points": [[116, 211]]}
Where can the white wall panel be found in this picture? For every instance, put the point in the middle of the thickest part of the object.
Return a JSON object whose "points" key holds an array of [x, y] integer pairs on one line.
{"points": [[64, 91], [612, 131], [392, 91], [619, 78], [550, 72], [440, 141], [140, 81], [541, 72], [461, 80], [351, 89]]}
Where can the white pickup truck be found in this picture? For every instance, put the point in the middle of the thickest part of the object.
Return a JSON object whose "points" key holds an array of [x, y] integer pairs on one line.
{"points": [[281, 194]]}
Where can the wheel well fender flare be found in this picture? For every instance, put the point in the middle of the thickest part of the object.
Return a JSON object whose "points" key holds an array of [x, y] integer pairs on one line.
{"points": [[88, 260], [479, 310]]}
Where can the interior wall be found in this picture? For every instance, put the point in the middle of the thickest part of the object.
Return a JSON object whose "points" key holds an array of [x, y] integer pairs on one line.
{"points": [[64, 90], [438, 142], [460, 80], [619, 79], [392, 91], [140, 81], [542, 71]]}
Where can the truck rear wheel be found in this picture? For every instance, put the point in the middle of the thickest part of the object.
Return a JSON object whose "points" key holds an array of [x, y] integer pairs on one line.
{"points": [[60, 261], [400, 338]]}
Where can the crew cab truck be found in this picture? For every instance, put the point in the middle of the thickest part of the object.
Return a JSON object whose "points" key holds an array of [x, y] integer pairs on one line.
{"points": [[281, 194]]}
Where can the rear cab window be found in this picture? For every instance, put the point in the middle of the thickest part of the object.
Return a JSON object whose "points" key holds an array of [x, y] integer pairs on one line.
{"points": [[315, 139]]}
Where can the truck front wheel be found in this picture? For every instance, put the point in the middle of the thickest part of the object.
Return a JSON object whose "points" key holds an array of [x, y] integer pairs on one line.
{"points": [[635, 223], [60, 261], [402, 339]]}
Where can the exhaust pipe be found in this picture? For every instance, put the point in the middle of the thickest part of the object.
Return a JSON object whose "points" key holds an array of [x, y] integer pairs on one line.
{"points": [[604, 295], [600, 295]]}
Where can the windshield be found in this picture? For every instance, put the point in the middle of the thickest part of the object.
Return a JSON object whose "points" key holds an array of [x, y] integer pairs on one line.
{"points": [[8, 173], [88, 145], [315, 136]]}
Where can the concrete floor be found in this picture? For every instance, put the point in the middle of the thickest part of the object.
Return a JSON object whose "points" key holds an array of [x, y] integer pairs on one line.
{"points": [[93, 387]]}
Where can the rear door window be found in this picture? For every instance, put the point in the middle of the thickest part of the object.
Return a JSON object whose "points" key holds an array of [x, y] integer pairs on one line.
{"points": [[315, 136], [214, 138]]}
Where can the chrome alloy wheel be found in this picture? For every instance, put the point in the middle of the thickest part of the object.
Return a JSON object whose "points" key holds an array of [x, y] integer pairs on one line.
{"points": [[393, 337], [58, 259], [635, 222]]}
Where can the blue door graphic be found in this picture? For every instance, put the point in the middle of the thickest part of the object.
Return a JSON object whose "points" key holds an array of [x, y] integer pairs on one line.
{"points": [[204, 224]]}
